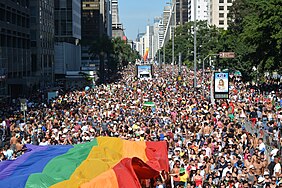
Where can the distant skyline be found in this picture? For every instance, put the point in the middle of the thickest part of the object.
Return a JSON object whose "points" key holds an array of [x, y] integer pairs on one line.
{"points": [[136, 14]]}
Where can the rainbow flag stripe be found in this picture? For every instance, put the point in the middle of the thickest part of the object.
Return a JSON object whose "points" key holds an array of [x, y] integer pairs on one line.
{"points": [[104, 162]]}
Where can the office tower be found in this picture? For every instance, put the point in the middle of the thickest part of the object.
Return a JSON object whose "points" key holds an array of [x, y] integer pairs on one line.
{"points": [[159, 31], [42, 41], [67, 37], [94, 24], [117, 27], [146, 41], [158, 35], [181, 11], [218, 13], [167, 22], [202, 10], [15, 67]]}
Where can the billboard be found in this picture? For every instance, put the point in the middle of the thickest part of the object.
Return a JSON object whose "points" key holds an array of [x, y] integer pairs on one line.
{"points": [[144, 70], [221, 85]]}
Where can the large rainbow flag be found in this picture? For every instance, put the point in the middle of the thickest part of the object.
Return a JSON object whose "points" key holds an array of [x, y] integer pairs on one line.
{"points": [[104, 162]]}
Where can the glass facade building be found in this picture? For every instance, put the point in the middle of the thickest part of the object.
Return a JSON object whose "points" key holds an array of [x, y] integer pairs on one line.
{"points": [[42, 41], [15, 67]]}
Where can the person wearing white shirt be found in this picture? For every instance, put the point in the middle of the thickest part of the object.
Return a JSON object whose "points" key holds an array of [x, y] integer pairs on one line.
{"points": [[226, 169], [261, 145], [273, 153], [277, 167], [44, 142]]}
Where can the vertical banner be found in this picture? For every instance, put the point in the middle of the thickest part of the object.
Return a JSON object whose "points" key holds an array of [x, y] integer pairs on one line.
{"points": [[146, 55], [221, 85]]}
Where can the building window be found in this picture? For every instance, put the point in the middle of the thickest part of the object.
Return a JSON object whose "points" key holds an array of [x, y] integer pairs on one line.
{"points": [[221, 1], [229, 1], [221, 22], [221, 15], [221, 7]]}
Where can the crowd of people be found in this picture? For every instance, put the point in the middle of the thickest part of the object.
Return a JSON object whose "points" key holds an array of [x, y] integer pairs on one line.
{"points": [[208, 143]]}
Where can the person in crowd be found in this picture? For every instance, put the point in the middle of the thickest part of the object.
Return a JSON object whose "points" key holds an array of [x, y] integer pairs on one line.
{"points": [[231, 142]]}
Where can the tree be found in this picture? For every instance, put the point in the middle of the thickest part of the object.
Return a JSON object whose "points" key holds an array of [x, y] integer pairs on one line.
{"points": [[113, 55], [101, 48], [207, 41], [257, 29]]}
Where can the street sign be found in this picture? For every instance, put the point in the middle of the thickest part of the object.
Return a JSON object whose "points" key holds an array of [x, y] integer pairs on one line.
{"points": [[226, 54]]}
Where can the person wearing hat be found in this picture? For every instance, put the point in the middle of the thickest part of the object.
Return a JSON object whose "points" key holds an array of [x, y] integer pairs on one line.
{"points": [[267, 179], [260, 183], [251, 175]]}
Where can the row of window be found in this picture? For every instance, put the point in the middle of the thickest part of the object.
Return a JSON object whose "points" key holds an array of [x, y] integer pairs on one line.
{"points": [[15, 42], [223, 1], [221, 22], [13, 17], [222, 7]]}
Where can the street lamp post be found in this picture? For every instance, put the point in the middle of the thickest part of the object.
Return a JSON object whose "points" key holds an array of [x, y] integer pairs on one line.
{"points": [[172, 26], [195, 45], [164, 54], [203, 79]]}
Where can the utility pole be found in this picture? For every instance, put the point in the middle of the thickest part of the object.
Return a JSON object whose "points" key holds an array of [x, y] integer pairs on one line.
{"points": [[179, 64], [159, 58], [195, 44], [164, 54], [172, 32]]}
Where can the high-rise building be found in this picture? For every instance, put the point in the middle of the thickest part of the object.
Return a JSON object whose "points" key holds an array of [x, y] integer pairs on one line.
{"points": [[67, 36], [15, 67], [202, 10], [159, 30], [117, 27], [218, 11], [167, 23], [91, 21], [158, 35], [181, 11], [95, 22], [146, 41], [42, 41]]}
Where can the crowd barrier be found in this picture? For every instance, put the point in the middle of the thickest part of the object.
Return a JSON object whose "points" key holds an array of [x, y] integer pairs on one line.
{"points": [[268, 138]]}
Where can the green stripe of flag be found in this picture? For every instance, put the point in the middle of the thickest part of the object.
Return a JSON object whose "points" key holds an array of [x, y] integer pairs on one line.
{"points": [[61, 167]]}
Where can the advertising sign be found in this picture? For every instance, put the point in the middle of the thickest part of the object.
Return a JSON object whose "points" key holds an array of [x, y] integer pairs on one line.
{"points": [[144, 71], [23, 105], [221, 85]]}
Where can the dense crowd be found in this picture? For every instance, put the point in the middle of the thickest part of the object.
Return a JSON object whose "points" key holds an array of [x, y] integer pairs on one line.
{"points": [[209, 145]]}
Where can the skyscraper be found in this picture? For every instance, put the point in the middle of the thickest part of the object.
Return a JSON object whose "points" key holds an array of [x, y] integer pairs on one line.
{"points": [[202, 10], [67, 36], [94, 24], [181, 11], [15, 67], [117, 28], [218, 13], [42, 41]]}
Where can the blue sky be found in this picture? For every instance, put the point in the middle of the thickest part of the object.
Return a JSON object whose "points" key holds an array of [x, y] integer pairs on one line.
{"points": [[134, 14]]}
